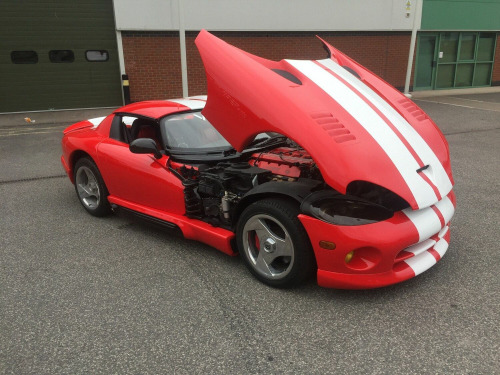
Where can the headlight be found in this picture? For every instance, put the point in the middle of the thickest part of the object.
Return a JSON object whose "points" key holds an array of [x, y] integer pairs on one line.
{"points": [[338, 209]]}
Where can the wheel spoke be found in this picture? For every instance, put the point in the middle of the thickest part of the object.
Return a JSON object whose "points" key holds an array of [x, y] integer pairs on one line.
{"points": [[262, 265], [284, 248], [91, 178], [85, 191], [261, 229]]}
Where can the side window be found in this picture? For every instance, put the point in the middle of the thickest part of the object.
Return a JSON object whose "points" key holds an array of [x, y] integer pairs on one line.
{"points": [[97, 55], [24, 57], [61, 56], [128, 121], [120, 128], [125, 128]]}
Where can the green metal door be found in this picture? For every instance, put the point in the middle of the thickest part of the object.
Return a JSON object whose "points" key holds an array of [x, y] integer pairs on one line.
{"points": [[425, 69], [448, 49], [58, 54]]}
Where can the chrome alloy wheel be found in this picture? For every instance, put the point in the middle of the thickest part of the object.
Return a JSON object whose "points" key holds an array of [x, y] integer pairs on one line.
{"points": [[268, 246], [87, 187]]}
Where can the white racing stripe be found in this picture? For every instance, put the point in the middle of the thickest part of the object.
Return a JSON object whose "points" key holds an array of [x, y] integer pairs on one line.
{"points": [[446, 208], [198, 97], [435, 172], [441, 246], [420, 247], [423, 260], [421, 263], [190, 103], [96, 121], [380, 131], [443, 231], [425, 220]]}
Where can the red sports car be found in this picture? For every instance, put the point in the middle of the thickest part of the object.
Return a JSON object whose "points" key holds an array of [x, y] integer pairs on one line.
{"points": [[301, 167]]}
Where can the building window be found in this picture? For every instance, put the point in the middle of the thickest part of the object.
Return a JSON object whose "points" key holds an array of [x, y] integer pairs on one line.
{"points": [[97, 55], [454, 59], [24, 57], [61, 56]]}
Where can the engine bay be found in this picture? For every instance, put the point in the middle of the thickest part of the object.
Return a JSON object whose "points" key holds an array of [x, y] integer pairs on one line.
{"points": [[212, 191]]}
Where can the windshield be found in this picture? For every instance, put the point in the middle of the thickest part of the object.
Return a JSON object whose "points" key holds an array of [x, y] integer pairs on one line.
{"points": [[193, 131]]}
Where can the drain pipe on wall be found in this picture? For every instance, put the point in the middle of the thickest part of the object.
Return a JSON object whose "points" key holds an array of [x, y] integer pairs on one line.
{"points": [[417, 15], [123, 74], [182, 39]]}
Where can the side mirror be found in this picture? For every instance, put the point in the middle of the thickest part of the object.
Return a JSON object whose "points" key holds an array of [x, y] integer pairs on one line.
{"points": [[145, 146]]}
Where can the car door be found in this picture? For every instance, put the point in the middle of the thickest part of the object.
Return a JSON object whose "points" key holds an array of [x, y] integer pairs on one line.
{"points": [[138, 178]]}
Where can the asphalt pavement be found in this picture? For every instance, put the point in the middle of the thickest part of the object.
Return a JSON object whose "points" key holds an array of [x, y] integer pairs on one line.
{"points": [[82, 295]]}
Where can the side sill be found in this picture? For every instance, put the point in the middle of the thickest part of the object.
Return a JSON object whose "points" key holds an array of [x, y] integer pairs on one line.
{"points": [[151, 219]]}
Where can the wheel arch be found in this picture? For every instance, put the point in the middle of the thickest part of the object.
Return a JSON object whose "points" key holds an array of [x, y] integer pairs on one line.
{"points": [[73, 158], [248, 200], [291, 191]]}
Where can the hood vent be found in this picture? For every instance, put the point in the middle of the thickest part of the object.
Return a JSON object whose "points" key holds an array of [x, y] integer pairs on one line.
{"points": [[287, 75], [413, 109], [333, 127]]}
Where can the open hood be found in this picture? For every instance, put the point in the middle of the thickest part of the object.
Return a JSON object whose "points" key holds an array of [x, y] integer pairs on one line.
{"points": [[355, 126]]}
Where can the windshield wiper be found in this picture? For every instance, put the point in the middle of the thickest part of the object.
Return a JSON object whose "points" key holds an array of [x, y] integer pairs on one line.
{"points": [[230, 151], [266, 141], [201, 151]]}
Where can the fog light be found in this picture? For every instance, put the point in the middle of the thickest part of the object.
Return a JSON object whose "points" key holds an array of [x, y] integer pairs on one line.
{"points": [[327, 245], [349, 256]]}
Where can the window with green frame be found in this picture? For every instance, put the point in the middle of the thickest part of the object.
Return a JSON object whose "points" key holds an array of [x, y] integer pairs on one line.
{"points": [[465, 60]]}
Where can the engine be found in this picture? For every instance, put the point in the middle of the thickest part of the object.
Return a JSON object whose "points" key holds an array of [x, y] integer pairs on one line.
{"points": [[212, 192]]}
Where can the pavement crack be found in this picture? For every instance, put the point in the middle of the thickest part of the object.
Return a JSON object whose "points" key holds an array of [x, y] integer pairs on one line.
{"points": [[28, 179], [471, 131]]}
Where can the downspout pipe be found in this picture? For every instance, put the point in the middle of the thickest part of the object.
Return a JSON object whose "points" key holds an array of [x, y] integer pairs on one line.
{"points": [[417, 15], [182, 40]]}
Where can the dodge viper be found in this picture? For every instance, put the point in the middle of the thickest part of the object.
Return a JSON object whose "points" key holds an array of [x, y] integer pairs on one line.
{"points": [[302, 167]]}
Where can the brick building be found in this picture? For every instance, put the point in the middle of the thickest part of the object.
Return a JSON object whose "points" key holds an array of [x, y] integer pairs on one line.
{"points": [[159, 74], [150, 44], [455, 41]]}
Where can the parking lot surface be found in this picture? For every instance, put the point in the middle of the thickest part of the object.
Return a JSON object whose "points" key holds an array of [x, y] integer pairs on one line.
{"points": [[80, 294]]}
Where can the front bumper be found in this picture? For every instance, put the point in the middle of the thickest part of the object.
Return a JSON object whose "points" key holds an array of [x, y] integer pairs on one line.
{"points": [[385, 253]]}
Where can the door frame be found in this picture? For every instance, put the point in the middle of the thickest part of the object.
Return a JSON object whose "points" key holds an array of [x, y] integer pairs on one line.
{"points": [[434, 61]]}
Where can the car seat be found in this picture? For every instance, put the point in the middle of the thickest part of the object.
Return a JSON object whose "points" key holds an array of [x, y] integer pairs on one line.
{"points": [[144, 129]]}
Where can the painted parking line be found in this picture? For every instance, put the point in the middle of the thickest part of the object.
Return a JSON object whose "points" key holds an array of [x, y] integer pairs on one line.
{"points": [[23, 131], [29, 133], [460, 102], [472, 100]]}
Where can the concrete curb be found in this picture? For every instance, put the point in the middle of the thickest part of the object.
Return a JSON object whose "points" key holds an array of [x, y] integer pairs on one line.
{"points": [[71, 116], [455, 92]]}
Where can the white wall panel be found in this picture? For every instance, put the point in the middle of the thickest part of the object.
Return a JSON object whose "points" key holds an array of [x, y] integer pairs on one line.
{"points": [[265, 15], [146, 14]]}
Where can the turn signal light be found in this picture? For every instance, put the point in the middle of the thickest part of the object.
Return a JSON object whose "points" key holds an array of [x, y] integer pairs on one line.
{"points": [[349, 256], [327, 245]]}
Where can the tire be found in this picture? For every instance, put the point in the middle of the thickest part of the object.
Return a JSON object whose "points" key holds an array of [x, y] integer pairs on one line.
{"points": [[273, 243], [90, 188]]}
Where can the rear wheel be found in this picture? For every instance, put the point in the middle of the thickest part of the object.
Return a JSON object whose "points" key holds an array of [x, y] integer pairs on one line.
{"points": [[90, 188], [274, 244]]}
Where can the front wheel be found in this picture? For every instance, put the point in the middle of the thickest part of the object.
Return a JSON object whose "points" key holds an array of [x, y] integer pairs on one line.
{"points": [[90, 188], [274, 244]]}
